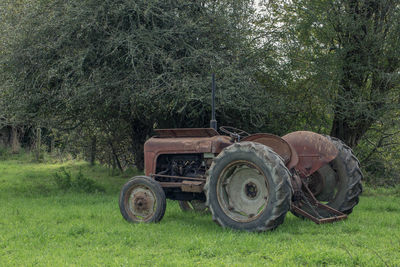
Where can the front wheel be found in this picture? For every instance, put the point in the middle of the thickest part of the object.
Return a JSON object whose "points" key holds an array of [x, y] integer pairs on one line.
{"points": [[142, 199], [248, 188]]}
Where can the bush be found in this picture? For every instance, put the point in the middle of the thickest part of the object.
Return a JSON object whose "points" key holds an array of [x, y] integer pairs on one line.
{"points": [[4, 153], [66, 182]]}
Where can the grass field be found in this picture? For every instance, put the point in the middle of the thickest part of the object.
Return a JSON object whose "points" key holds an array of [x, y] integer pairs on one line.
{"points": [[43, 225]]}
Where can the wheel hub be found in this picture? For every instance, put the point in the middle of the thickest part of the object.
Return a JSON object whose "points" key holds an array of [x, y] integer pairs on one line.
{"points": [[251, 190], [142, 203]]}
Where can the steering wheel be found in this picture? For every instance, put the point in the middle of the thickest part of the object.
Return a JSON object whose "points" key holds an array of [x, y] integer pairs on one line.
{"points": [[234, 132]]}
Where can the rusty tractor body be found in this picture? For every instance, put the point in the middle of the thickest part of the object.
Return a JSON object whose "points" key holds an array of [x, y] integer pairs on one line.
{"points": [[179, 161], [246, 181], [203, 144]]}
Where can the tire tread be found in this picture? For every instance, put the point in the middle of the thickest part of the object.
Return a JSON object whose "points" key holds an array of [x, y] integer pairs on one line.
{"points": [[281, 178]]}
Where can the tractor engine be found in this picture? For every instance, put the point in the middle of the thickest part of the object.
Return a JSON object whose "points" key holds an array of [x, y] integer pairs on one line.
{"points": [[189, 169], [189, 165]]}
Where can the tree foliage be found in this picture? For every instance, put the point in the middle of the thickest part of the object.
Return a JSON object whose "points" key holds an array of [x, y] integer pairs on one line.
{"points": [[124, 67], [99, 76], [345, 54]]}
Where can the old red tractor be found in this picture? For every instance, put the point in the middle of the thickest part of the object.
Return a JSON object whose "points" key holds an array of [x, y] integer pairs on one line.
{"points": [[247, 181]]}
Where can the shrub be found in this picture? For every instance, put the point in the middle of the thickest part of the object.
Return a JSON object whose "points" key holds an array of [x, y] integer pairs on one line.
{"points": [[4, 153], [79, 183]]}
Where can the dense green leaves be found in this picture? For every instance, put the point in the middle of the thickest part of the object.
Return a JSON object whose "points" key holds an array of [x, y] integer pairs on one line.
{"points": [[127, 66], [345, 54], [108, 72]]}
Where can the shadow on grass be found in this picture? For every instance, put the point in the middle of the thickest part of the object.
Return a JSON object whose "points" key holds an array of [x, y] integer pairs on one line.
{"points": [[203, 222]]}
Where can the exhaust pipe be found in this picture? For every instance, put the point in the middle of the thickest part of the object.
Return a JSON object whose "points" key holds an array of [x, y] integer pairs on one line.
{"points": [[213, 121]]}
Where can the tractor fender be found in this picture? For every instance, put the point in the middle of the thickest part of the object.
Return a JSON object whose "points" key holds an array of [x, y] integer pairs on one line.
{"points": [[313, 150], [278, 145]]}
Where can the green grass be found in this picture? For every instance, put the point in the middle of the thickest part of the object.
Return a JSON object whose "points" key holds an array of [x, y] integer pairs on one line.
{"points": [[43, 225]]}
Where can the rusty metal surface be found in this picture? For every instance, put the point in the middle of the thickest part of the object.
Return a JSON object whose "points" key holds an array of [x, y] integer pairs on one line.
{"points": [[309, 200], [317, 220], [189, 184], [182, 145], [313, 150], [179, 177], [192, 186], [171, 184], [186, 132], [277, 144], [185, 186]]}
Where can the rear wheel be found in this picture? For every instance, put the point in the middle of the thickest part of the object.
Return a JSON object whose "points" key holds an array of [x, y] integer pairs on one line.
{"points": [[338, 184], [349, 176], [248, 188], [142, 200]]}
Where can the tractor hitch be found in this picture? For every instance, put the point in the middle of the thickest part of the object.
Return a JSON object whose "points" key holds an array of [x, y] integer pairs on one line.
{"points": [[306, 205]]}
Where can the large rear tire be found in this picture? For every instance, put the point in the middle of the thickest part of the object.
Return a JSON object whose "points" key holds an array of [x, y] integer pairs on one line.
{"points": [[347, 168], [337, 184], [248, 188]]}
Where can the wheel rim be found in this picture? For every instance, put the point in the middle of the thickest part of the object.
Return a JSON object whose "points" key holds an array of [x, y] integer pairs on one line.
{"points": [[242, 191], [141, 203]]}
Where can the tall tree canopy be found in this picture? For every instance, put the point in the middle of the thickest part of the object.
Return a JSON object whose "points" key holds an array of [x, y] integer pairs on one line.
{"points": [[344, 52], [127, 66], [111, 71]]}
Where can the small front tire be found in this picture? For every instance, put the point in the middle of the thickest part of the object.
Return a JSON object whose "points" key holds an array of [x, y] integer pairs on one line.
{"points": [[142, 199]]}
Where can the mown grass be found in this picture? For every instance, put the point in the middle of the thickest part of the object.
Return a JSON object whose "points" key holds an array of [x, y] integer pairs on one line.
{"points": [[43, 225]]}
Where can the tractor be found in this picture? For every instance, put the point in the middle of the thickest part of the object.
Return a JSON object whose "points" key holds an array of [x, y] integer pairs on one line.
{"points": [[246, 181]]}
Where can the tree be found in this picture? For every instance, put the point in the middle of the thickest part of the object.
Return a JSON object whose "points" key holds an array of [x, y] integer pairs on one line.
{"points": [[9, 12], [126, 67], [346, 53]]}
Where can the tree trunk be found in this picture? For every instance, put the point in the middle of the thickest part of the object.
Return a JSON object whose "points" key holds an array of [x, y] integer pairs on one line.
{"points": [[93, 151], [113, 164], [52, 146], [15, 144], [347, 130], [139, 133], [38, 143], [139, 155], [115, 157]]}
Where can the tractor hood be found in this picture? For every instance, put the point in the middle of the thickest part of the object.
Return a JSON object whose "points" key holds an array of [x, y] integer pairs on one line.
{"points": [[182, 141]]}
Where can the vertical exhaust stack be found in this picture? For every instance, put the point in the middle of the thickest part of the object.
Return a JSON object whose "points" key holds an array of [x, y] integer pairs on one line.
{"points": [[213, 121]]}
